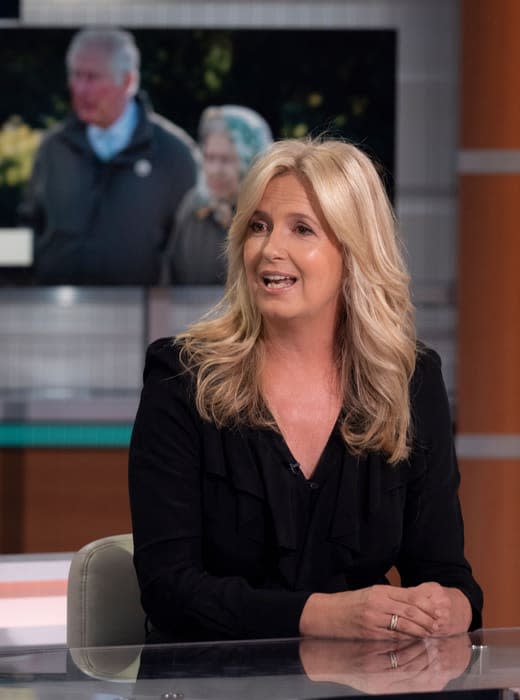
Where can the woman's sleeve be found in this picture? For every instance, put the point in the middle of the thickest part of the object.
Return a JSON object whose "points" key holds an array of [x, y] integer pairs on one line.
{"points": [[433, 538], [182, 600]]}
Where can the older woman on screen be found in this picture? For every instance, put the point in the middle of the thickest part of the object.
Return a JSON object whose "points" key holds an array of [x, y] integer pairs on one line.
{"points": [[290, 450], [230, 137]]}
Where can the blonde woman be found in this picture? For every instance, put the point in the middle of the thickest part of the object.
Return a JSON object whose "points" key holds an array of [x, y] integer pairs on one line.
{"points": [[290, 450]]}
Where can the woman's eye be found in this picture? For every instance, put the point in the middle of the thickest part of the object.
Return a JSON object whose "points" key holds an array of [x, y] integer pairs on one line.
{"points": [[304, 230], [257, 226]]}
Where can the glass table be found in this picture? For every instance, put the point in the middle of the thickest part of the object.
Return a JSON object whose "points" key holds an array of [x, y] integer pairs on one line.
{"points": [[485, 664]]}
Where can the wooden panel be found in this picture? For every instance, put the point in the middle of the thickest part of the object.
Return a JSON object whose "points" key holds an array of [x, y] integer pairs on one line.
{"points": [[489, 305], [489, 497], [60, 499], [490, 60]]}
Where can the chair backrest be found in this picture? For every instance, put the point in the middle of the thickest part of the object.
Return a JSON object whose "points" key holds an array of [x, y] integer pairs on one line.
{"points": [[103, 598]]}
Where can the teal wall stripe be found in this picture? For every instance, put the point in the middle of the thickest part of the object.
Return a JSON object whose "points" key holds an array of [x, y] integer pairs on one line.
{"points": [[64, 435]]}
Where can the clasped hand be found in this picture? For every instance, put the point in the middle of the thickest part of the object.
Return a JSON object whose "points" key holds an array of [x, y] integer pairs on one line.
{"points": [[387, 612]]}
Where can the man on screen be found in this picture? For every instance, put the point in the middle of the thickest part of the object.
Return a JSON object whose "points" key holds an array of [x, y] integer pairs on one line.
{"points": [[106, 183]]}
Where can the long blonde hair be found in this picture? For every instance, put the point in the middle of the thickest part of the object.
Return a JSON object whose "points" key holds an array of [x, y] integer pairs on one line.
{"points": [[375, 337]]}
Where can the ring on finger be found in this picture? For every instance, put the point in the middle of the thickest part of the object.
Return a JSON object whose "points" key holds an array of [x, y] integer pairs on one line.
{"points": [[393, 660], [394, 620]]}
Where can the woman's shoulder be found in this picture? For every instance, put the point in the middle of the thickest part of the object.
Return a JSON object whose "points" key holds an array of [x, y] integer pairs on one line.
{"points": [[428, 367], [163, 359], [427, 359], [428, 395]]}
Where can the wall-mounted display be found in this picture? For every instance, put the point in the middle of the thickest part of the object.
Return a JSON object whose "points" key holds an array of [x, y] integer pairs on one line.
{"points": [[79, 214]]}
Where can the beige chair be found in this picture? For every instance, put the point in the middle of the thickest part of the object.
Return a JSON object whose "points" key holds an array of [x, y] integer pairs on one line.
{"points": [[103, 605]]}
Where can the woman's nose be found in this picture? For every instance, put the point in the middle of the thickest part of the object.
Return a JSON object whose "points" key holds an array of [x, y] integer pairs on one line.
{"points": [[274, 245]]}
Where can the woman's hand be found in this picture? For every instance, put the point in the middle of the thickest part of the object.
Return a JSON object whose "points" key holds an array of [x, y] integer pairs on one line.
{"points": [[452, 608], [387, 612]]}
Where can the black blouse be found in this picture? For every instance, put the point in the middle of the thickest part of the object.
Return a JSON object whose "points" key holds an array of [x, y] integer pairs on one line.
{"points": [[231, 539]]}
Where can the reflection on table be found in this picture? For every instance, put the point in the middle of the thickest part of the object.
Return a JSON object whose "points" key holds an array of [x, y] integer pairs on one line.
{"points": [[486, 662]]}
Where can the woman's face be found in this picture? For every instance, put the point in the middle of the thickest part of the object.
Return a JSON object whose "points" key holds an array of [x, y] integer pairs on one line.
{"points": [[221, 166], [293, 262]]}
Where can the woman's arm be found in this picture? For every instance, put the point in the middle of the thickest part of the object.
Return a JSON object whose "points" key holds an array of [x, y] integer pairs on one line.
{"points": [[439, 595], [181, 598], [433, 534]]}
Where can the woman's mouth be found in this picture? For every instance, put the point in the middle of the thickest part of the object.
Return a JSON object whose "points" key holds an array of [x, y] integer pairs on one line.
{"points": [[278, 281]]}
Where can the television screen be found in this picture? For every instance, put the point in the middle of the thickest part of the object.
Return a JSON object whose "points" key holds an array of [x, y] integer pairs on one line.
{"points": [[340, 82]]}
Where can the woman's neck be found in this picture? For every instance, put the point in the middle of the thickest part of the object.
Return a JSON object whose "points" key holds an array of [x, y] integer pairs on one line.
{"points": [[294, 355], [301, 344], [300, 383]]}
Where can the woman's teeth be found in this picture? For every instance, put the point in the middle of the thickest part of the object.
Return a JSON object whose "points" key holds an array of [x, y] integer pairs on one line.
{"points": [[278, 281]]}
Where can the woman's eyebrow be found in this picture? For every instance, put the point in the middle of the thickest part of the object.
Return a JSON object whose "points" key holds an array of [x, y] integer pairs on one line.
{"points": [[263, 214], [301, 215], [291, 214]]}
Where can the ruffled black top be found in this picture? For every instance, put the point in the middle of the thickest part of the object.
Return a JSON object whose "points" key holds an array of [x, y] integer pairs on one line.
{"points": [[231, 538]]}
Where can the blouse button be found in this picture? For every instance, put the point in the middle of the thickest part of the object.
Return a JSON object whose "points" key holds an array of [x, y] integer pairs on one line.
{"points": [[313, 485]]}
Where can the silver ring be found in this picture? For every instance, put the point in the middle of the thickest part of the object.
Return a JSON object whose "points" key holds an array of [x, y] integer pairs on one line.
{"points": [[393, 623], [393, 660]]}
